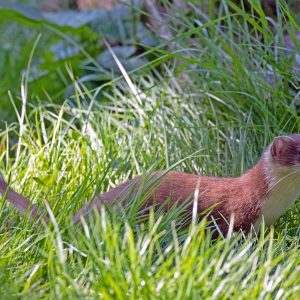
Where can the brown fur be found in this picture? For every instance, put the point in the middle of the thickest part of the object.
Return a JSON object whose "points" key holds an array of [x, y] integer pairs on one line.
{"points": [[20, 202], [225, 196]]}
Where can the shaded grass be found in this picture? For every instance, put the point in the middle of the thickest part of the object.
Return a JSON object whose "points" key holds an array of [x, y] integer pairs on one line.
{"points": [[222, 91]]}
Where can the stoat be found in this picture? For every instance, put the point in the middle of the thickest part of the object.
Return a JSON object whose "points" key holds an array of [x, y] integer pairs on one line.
{"points": [[265, 191]]}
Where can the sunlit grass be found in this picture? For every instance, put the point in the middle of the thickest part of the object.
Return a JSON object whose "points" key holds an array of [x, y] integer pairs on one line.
{"points": [[221, 93]]}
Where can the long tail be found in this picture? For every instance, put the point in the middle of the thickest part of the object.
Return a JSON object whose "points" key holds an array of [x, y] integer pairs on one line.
{"points": [[17, 200], [120, 193]]}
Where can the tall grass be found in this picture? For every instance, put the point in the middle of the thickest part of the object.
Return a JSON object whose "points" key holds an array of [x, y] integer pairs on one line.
{"points": [[225, 88]]}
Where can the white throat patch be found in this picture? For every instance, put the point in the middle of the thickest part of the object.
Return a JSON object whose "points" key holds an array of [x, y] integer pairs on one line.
{"points": [[284, 190]]}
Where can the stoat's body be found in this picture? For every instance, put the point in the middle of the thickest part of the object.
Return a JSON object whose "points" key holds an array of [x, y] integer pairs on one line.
{"points": [[265, 191]]}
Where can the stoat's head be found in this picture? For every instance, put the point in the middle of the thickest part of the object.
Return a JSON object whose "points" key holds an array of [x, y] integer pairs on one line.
{"points": [[282, 171], [285, 150]]}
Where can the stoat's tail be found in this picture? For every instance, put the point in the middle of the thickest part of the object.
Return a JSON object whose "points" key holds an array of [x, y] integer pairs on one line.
{"points": [[17, 200]]}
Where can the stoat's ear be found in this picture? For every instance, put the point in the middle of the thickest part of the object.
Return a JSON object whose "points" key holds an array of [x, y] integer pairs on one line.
{"points": [[280, 145]]}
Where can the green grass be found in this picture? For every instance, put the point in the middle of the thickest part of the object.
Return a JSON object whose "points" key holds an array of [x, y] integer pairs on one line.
{"points": [[212, 93]]}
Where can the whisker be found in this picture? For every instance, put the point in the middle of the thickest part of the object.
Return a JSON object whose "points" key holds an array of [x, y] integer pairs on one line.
{"points": [[274, 185], [293, 179]]}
